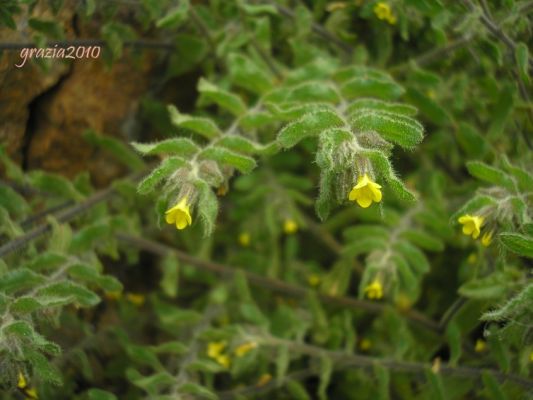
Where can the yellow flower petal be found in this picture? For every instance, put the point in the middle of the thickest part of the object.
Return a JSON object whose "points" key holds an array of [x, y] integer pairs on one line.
{"points": [[365, 192], [290, 226], [215, 349], [481, 345], [245, 348], [179, 214], [486, 239], [374, 291], [471, 224]]}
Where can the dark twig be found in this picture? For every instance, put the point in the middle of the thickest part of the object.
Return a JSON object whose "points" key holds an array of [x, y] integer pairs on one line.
{"points": [[353, 360], [319, 30], [269, 283], [63, 217], [150, 44]]}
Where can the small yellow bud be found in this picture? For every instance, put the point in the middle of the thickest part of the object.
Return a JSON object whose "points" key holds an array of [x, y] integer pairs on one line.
{"points": [[384, 12], [215, 349], [136, 299], [22, 383], [531, 357], [486, 239], [244, 348], [113, 296], [435, 368], [244, 239], [313, 279], [365, 344], [224, 360], [264, 379], [290, 226], [472, 259], [374, 291], [480, 346]]}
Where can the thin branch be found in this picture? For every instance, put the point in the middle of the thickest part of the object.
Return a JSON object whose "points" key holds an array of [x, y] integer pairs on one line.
{"points": [[269, 283], [150, 44], [432, 55], [353, 360], [66, 216], [319, 30]]}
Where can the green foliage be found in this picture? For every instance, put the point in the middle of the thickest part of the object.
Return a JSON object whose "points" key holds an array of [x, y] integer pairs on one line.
{"points": [[398, 124]]}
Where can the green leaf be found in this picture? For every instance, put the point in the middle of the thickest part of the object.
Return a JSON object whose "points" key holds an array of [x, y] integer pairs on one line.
{"points": [[489, 174], [25, 333], [20, 279], [13, 202], [42, 367], [380, 105], [52, 29], [55, 184], [399, 129], [166, 168], [207, 207], [383, 377], [99, 394], [436, 385], [244, 72], [494, 286], [492, 386], [517, 243], [173, 347], [243, 145], [117, 148], [258, 9], [198, 391], [326, 369], [383, 166], [87, 237], [169, 280], [143, 356], [243, 163], [223, 98], [310, 124], [428, 107], [296, 390], [522, 60], [202, 126], [175, 17], [88, 274], [177, 146], [78, 293]]}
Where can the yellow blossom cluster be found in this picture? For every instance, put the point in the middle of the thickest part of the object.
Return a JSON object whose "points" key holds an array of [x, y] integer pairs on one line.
{"points": [[217, 351], [384, 12]]}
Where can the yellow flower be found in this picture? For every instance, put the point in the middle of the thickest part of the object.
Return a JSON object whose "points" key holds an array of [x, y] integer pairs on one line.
{"points": [[384, 12], [471, 225], [215, 349], [136, 299], [472, 258], [244, 239], [264, 379], [245, 348], [365, 344], [374, 291], [179, 214], [22, 384], [313, 279], [365, 192], [290, 226], [480, 346], [486, 239]]}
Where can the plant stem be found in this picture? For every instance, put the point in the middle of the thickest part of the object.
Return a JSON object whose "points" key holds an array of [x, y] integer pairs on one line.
{"points": [[272, 284]]}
